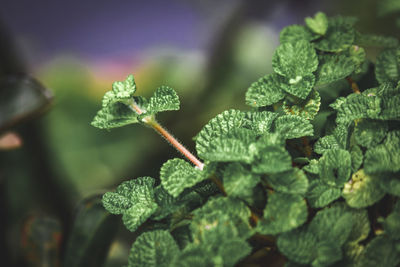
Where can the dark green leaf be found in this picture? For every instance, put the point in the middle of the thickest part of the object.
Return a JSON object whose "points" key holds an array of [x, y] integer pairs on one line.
{"points": [[387, 66], [320, 194], [293, 181], [266, 91], [333, 67], [239, 182], [335, 167], [295, 33], [292, 126]]}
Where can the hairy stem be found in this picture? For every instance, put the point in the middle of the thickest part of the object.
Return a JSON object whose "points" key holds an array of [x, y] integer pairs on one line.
{"points": [[149, 120]]}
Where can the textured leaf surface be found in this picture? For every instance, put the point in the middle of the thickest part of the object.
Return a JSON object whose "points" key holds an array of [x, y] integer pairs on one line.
{"points": [[369, 133], [266, 91], [339, 36], [362, 190], [273, 159], [387, 66], [333, 68], [221, 124], [283, 213], [122, 91], [301, 86], [164, 98], [318, 24], [154, 248], [113, 116], [335, 167], [295, 33], [326, 143], [357, 157], [177, 174], [363, 39], [307, 109], [381, 251], [295, 60], [238, 181], [320, 194], [260, 121], [293, 181], [292, 126]]}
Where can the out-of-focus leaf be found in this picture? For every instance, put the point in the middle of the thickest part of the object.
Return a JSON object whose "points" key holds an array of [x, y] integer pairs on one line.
{"points": [[21, 97], [381, 251], [295, 33], [320, 194], [335, 167], [91, 235], [41, 241], [387, 66], [318, 24]]}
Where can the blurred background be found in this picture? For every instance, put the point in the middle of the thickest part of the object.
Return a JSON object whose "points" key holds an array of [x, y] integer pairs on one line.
{"points": [[58, 58]]}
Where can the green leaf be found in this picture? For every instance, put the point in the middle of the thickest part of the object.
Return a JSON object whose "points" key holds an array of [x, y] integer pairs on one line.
{"points": [[266, 91], [391, 225], [390, 184], [359, 57], [361, 226], [154, 248], [237, 145], [220, 125], [320, 194], [300, 86], [326, 143], [339, 36], [295, 60], [335, 167], [164, 98], [332, 224], [134, 199], [318, 24], [177, 174], [292, 126], [295, 33], [238, 181], [192, 256], [387, 66], [357, 106], [122, 92], [327, 254], [260, 122], [312, 167], [113, 116], [369, 133], [381, 251], [233, 250], [333, 67], [298, 245], [293, 181], [307, 109], [273, 159], [374, 40], [362, 190], [283, 213], [356, 158]]}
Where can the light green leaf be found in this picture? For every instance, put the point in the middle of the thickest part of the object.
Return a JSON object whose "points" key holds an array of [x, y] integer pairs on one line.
{"points": [[333, 67], [273, 159], [387, 66], [295, 33], [136, 215], [113, 116], [260, 122], [295, 60], [122, 92], [266, 91], [292, 126], [362, 190], [318, 24], [332, 224], [374, 40], [298, 245], [155, 248], [369, 133], [359, 57], [301, 86], [339, 36], [164, 98], [307, 109], [238, 181], [326, 143], [312, 167], [237, 145], [381, 251], [293, 181], [320, 194], [283, 213], [220, 125], [177, 174], [335, 167]]}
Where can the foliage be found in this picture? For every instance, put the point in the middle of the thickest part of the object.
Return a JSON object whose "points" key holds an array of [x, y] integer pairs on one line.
{"points": [[266, 172]]}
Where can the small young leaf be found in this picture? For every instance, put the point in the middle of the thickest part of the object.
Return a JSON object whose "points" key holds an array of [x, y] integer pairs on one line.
{"points": [[292, 126], [283, 213], [113, 116], [295, 33], [122, 92], [307, 109], [177, 174], [164, 98], [318, 24], [154, 248], [295, 60], [339, 36], [362, 190], [266, 91], [335, 167]]}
